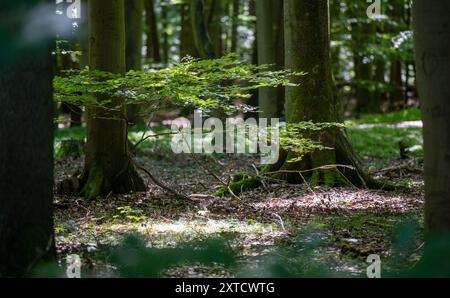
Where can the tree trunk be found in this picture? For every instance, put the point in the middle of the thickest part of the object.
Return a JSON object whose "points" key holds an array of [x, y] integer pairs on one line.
{"points": [[432, 48], [234, 26], [307, 44], [214, 22], [26, 138], [201, 36], [187, 42], [269, 30], [108, 166], [165, 23], [153, 51], [74, 111], [396, 96], [366, 101], [134, 28]]}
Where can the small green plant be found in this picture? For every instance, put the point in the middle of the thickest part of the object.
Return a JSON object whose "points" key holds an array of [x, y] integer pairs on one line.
{"points": [[135, 215]]}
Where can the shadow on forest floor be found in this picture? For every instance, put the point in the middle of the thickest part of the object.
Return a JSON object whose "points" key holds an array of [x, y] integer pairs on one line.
{"points": [[313, 231]]}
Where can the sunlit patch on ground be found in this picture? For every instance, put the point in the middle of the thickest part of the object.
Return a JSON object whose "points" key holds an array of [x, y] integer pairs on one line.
{"points": [[312, 231], [342, 200]]}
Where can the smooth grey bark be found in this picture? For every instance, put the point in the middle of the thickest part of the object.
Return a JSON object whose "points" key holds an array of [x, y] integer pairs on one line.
{"points": [[26, 143]]}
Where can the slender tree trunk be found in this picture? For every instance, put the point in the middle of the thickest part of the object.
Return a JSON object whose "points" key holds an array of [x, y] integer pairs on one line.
{"points": [[74, 111], [153, 50], [26, 138], [366, 100], [396, 96], [201, 36], [269, 31], [234, 26], [108, 166], [165, 23], [72, 42], [307, 44], [214, 22], [187, 42], [134, 29], [432, 49]]}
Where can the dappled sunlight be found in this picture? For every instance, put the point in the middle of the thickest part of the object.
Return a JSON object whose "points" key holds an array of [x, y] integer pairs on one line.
{"points": [[404, 124], [342, 200]]}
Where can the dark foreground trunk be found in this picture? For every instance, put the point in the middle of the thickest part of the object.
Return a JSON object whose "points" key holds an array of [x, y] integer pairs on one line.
{"points": [[26, 144], [432, 35]]}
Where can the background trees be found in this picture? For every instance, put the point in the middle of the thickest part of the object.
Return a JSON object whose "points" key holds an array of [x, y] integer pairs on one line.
{"points": [[26, 138], [354, 65]]}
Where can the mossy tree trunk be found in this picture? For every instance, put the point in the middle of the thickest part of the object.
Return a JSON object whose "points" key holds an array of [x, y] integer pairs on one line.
{"points": [[26, 142], [432, 48], [269, 16], [307, 45], [108, 167]]}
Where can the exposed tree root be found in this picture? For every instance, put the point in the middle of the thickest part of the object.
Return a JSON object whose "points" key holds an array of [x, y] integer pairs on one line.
{"points": [[96, 182]]}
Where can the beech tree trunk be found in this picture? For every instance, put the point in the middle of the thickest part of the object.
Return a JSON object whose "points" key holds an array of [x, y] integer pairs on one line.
{"points": [[134, 29], [366, 99], [214, 22], [235, 25], [432, 50], [202, 39], [26, 143], [307, 44], [187, 41], [269, 16], [153, 49], [108, 166]]}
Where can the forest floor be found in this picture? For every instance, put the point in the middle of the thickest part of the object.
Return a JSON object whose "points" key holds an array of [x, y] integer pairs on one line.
{"points": [[275, 230]]}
